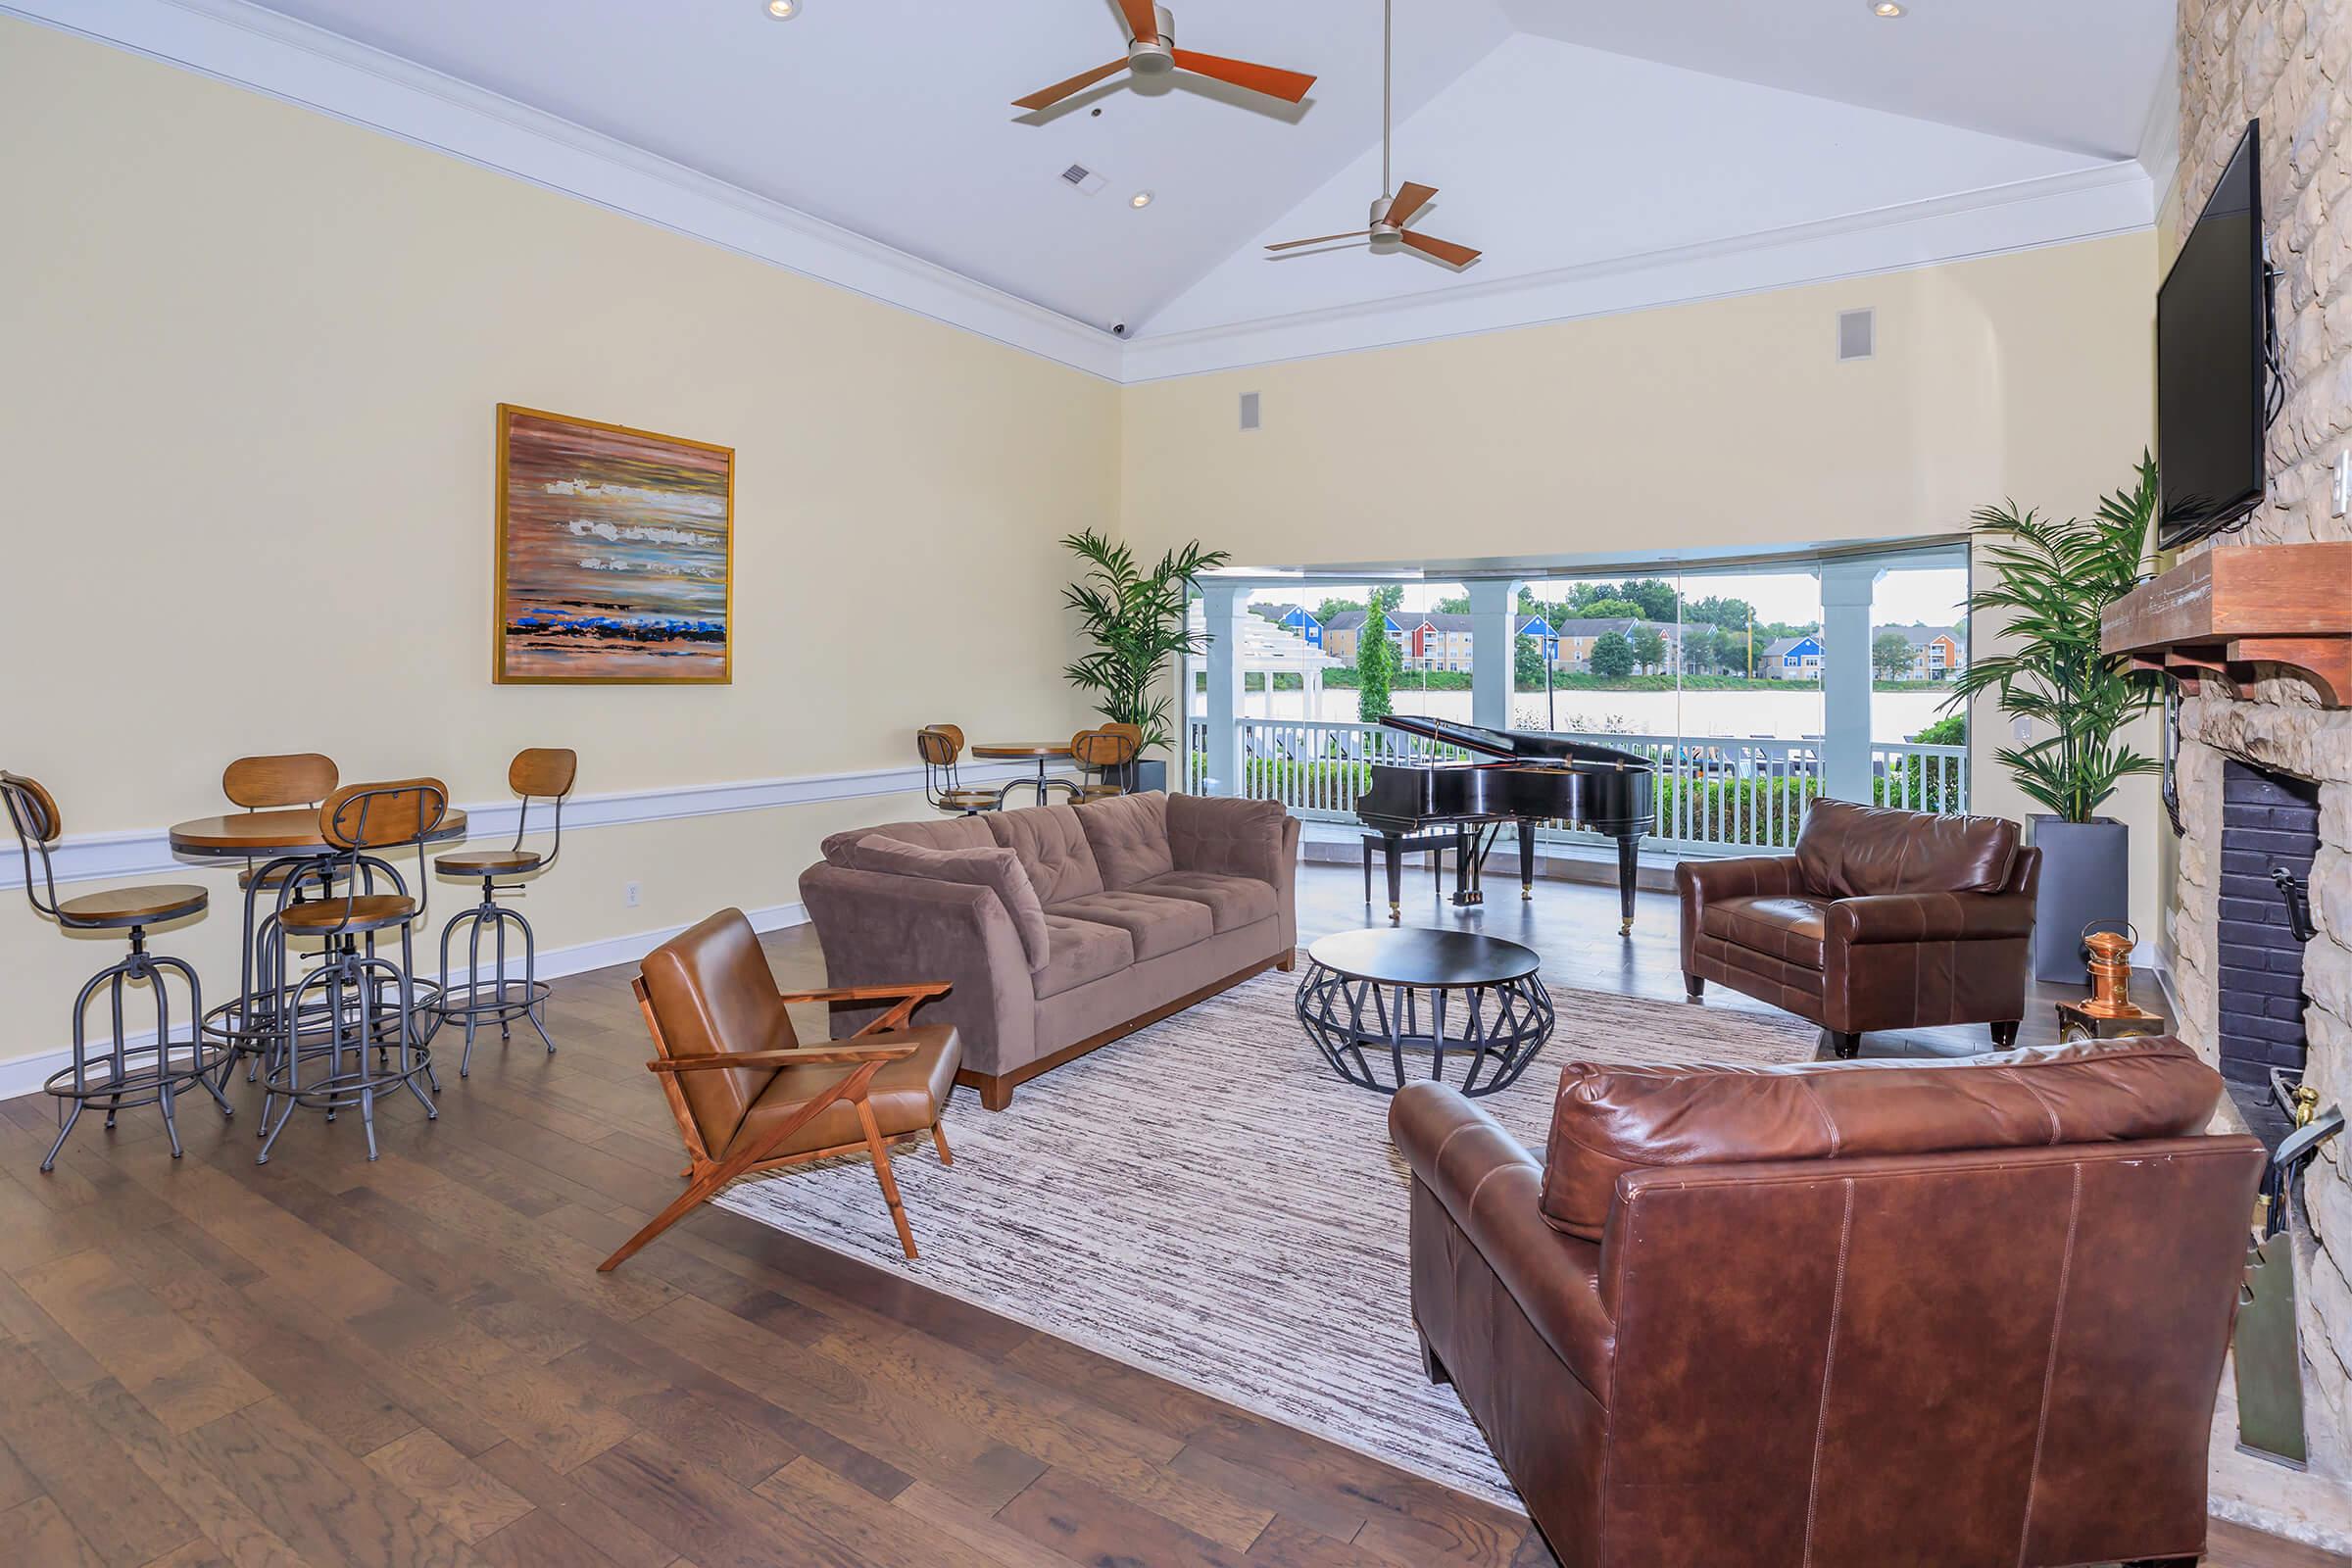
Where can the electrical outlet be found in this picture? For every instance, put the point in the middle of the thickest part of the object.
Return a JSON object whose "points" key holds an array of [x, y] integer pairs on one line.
{"points": [[2022, 729], [2343, 484], [630, 894]]}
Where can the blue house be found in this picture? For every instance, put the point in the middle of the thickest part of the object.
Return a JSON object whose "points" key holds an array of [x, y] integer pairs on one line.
{"points": [[1538, 626], [1790, 658], [1305, 625]]}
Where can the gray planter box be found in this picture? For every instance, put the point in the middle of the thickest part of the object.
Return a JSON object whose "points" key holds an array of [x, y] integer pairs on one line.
{"points": [[1151, 774], [2085, 876]]}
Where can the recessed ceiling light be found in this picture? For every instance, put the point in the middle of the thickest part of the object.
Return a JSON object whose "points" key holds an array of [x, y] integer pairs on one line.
{"points": [[783, 9], [1142, 198], [1887, 8]]}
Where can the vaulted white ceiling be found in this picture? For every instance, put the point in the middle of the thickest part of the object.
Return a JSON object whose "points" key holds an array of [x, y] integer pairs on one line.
{"points": [[1568, 138]]}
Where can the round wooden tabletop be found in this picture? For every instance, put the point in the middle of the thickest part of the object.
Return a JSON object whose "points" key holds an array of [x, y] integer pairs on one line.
{"points": [[1022, 749], [258, 835]]}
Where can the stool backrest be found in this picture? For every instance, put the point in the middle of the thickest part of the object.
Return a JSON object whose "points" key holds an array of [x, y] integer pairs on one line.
{"points": [[937, 747], [1101, 749], [543, 770], [33, 813], [377, 816], [955, 735], [269, 783]]}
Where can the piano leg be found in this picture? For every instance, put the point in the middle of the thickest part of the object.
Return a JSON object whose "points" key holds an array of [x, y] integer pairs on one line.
{"points": [[1469, 860], [1392, 847], [1527, 859], [1629, 862]]}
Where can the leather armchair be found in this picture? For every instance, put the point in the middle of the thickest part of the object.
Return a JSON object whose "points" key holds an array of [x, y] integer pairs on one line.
{"points": [[1881, 919], [1945, 1314]]}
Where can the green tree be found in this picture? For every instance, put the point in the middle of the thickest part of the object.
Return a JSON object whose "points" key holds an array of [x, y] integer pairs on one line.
{"points": [[1648, 648], [1949, 730], [1458, 605], [1609, 610], [1527, 662], [1730, 649], [1376, 660], [1613, 656], [1720, 611], [1891, 654], [1655, 596]]}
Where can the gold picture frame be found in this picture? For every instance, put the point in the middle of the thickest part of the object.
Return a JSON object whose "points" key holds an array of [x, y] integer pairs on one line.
{"points": [[614, 555]]}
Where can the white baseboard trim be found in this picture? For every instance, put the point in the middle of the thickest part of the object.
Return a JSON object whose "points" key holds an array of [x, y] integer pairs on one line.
{"points": [[147, 852], [23, 1074]]}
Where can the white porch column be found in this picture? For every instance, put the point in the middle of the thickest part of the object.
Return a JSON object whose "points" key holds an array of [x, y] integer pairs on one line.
{"points": [[1221, 604], [1846, 588], [1493, 603]]}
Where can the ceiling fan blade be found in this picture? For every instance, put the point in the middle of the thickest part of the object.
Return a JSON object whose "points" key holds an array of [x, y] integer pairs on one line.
{"points": [[1320, 239], [1062, 89], [1445, 250], [1288, 86], [1141, 20], [1410, 199]]}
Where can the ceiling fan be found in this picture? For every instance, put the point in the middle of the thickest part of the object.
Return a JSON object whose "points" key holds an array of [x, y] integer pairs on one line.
{"points": [[1152, 51], [1392, 212]]}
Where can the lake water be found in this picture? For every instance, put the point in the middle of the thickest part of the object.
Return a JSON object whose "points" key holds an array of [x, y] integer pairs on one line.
{"points": [[1736, 714]]}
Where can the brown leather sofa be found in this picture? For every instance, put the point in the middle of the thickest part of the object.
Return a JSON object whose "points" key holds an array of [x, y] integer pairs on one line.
{"points": [[1882, 919], [1060, 928], [1842, 1313]]}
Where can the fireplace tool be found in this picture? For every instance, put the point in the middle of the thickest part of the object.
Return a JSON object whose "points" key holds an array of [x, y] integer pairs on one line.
{"points": [[2267, 1356]]}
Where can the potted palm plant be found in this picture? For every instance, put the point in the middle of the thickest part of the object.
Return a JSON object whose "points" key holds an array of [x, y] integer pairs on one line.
{"points": [[2051, 581], [1135, 618]]}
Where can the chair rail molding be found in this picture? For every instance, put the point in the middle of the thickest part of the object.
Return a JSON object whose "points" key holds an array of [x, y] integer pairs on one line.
{"points": [[145, 852]]}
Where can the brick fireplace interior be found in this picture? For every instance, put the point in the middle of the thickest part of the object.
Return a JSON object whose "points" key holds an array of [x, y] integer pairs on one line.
{"points": [[2270, 824]]}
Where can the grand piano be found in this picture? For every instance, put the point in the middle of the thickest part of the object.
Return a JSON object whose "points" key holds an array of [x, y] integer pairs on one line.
{"points": [[1539, 777]]}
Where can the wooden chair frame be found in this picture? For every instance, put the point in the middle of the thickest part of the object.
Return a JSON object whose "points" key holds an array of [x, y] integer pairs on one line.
{"points": [[705, 1176]]}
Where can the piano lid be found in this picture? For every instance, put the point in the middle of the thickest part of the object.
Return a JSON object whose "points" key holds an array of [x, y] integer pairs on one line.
{"points": [[1524, 744]]}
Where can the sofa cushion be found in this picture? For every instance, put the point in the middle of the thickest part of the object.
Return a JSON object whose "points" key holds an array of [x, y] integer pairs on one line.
{"points": [[1789, 929], [947, 833], [1233, 902], [995, 869], [1610, 1119], [1227, 836], [1129, 835], [1846, 851], [1052, 849], [1156, 925], [1080, 951]]}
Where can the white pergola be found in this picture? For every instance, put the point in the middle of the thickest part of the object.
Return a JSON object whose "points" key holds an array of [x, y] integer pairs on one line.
{"points": [[1251, 644]]}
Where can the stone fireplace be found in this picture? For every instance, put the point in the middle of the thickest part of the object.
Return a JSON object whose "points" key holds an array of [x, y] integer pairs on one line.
{"points": [[2264, 742]]}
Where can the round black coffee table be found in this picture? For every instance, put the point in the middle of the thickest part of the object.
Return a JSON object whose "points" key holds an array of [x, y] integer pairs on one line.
{"points": [[1372, 995]]}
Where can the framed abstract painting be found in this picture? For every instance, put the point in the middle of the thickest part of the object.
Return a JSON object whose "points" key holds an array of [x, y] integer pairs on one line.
{"points": [[615, 555]]}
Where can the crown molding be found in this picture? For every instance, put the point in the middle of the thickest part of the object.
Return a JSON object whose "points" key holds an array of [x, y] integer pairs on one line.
{"points": [[243, 44], [247, 46], [2110, 199]]}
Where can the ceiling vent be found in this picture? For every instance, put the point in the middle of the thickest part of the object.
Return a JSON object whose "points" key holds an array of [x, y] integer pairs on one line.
{"points": [[1084, 179], [1248, 410], [1857, 335]]}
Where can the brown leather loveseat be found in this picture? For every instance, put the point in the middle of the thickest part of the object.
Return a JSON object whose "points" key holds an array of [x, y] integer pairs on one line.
{"points": [[1882, 919], [1951, 1313]]}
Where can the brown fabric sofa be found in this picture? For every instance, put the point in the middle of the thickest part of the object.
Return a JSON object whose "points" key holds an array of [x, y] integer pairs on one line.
{"points": [[1956, 1313], [1061, 927], [1882, 919]]}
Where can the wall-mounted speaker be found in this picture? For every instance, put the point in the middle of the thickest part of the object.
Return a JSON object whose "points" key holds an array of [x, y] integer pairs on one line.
{"points": [[1857, 335], [1248, 410]]}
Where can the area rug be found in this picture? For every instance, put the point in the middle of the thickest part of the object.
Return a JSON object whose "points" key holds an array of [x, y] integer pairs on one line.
{"points": [[1205, 1200]]}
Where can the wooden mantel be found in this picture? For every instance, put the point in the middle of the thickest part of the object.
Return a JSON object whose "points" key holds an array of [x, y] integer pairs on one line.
{"points": [[2217, 616]]}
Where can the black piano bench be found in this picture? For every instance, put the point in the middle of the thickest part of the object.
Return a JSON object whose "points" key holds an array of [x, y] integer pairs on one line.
{"points": [[1435, 845]]}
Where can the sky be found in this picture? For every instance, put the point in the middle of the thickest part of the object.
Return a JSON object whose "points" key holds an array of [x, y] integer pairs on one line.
{"points": [[1904, 594]]}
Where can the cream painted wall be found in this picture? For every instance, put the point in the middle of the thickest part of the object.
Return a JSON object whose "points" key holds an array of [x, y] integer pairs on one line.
{"points": [[248, 363], [1713, 425]]}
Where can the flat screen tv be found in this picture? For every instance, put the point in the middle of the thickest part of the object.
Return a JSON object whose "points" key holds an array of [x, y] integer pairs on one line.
{"points": [[2212, 347]]}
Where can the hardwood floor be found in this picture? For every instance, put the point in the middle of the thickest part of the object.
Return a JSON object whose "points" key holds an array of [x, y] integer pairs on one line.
{"points": [[414, 1363]]}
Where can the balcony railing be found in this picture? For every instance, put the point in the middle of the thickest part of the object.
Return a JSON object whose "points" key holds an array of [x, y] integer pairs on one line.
{"points": [[1714, 795]]}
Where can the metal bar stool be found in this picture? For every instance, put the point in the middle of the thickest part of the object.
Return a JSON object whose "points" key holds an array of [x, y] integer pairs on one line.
{"points": [[338, 1018], [126, 1076], [1105, 761], [547, 774], [241, 1024], [939, 745]]}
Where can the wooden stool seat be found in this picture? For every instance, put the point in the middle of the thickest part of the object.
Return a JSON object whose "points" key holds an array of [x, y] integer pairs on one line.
{"points": [[368, 912], [488, 863], [128, 906], [967, 800]]}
